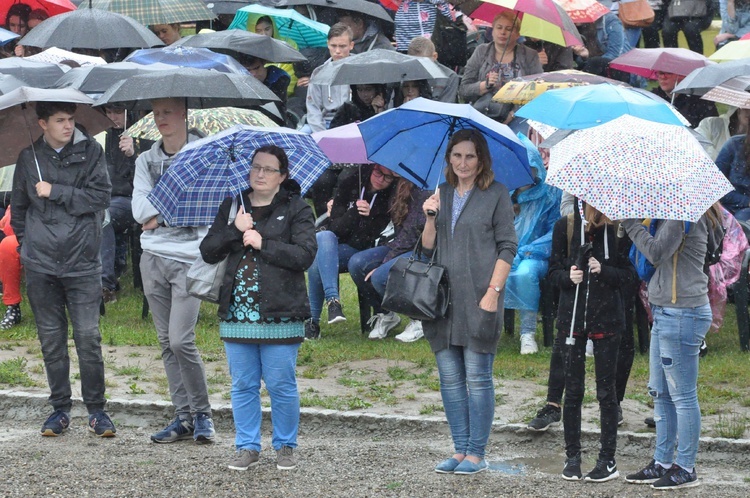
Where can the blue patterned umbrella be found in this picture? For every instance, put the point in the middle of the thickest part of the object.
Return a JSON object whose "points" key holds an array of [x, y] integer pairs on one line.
{"points": [[200, 58], [209, 170]]}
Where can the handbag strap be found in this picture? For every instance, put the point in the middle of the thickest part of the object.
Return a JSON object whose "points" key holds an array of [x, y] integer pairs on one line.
{"points": [[418, 249]]}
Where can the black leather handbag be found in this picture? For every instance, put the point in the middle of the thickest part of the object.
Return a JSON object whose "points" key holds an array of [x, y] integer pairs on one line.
{"points": [[418, 289]]}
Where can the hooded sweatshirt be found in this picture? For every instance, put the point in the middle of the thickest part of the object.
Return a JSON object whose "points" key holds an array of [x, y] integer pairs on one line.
{"points": [[323, 101], [178, 243]]}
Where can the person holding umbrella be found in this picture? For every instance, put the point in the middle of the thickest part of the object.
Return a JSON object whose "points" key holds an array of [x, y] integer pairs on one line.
{"points": [[168, 253], [167, 33], [60, 191], [469, 222]]}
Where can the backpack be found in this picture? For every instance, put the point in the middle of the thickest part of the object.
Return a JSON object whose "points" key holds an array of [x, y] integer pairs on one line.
{"points": [[642, 265], [449, 37]]}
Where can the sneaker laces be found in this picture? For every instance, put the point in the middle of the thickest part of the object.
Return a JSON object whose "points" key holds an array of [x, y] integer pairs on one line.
{"points": [[374, 319]]}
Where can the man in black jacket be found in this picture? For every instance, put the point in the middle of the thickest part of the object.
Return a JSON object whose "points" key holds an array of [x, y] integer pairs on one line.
{"points": [[60, 191]]}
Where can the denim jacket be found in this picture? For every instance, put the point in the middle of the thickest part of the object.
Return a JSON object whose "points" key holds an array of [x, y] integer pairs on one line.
{"points": [[731, 162]]}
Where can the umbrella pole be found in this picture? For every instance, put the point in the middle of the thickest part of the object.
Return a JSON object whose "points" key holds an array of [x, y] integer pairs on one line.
{"points": [[31, 139], [570, 340]]}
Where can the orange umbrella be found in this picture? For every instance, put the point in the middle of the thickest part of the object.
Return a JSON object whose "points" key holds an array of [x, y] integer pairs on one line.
{"points": [[583, 11]]}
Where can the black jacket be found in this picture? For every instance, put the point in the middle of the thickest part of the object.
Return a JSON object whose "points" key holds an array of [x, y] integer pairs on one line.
{"points": [[692, 107], [121, 167], [61, 235], [289, 248], [349, 226], [605, 311]]}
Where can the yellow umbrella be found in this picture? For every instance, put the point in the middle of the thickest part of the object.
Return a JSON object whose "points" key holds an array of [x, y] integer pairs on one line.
{"points": [[732, 51], [522, 92]]}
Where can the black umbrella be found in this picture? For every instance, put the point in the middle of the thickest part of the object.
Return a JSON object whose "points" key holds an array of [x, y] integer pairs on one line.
{"points": [[377, 66], [38, 74], [234, 41], [9, 83], [97, 79], [200, 88], [90, 28], [230, 7], [373, 10]]}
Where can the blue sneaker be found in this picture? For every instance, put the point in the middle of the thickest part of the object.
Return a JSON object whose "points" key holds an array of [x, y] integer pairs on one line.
{"points": [[467, 467], [447, 466], [204, 432], [101, 425], [56, 423], [177, 430]]}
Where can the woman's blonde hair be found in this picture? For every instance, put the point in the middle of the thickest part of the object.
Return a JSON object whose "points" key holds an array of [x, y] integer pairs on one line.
{"points": [[595, 218], [509, 16]]}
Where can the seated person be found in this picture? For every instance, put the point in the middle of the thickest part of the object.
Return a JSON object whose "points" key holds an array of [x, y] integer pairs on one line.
{"points": [[358, 215], [732, 161], [367, 33], [720, 128], [735, 21], [369, 268], [443, 90], [692, 107], [276, 79], [552, 56], [10, 274], [410, 90], [367, 101], [604, 40], [265, 25], [167, 33], [537, 209]]}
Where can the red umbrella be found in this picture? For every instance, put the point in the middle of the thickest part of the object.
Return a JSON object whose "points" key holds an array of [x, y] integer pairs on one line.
{"points": [[583, 11], [51, 7], [648, 61]]}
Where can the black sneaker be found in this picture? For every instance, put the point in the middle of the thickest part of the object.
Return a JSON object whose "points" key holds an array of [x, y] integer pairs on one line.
{"points": [[703, 350], [335, 313], [604, 471], [677, 478], [651, 473], [101, 425], [56, 423], [572, 470], [649, 421], [545, 418], [12, 317], [620, 420], [312, 330]]}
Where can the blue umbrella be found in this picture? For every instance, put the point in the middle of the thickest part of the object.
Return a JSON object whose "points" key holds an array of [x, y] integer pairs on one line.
{"points": [[6, 36], [290, 23], [411, 140], [199, 58], [207, 171], [586, 106]]}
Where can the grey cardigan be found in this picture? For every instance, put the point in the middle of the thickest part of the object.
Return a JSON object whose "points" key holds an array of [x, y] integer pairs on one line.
{"points": [[483, 59], [483, 234]]}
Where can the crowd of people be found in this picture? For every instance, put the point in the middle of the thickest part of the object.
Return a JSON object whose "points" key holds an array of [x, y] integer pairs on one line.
{"points": [[497, 246]]}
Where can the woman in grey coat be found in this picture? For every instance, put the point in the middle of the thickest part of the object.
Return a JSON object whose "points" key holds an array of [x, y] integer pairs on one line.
{"points": [[476, 241]]}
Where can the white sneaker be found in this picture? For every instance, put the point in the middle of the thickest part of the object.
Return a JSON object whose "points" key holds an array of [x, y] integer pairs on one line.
{"points": [[382, 323], [589, 348], [528, 344], [412, 332]]}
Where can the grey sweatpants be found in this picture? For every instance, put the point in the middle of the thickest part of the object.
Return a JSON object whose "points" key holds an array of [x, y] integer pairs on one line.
{"points": [[175, 314]]}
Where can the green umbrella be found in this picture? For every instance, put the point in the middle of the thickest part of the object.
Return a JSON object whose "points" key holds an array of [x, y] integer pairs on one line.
{"points": [[209, 121], [290, 23], [148, 12]]}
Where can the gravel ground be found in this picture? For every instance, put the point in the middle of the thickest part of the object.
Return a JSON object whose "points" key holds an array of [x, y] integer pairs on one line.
{"points": [[339, 455]]}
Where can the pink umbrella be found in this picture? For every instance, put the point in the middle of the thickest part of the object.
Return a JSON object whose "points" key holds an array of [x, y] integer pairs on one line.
{"points": [[648, 61], [343, 144], [583, 11]]}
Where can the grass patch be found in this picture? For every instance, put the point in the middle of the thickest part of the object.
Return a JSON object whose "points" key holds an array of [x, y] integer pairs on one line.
{"points": [[13, 373], [431, 409], [731, 425], [346, 403], [135, 372]]}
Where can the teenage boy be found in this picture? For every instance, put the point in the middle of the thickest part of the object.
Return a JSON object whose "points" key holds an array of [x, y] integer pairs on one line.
{"points": [[60, 191]]}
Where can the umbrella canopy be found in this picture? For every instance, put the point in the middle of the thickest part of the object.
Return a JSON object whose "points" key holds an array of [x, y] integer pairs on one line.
{"points": [[647, 62], [343, 144], [412, 140], [732, 51], [200, 88], [377, 66], [731, 92], [587, 106], [90, 28], [239, 41], [228, 7], [39, 74], [583, 11], [51, 7], [373, 10], [200, 58], [542, 19], [634, 168], [9, 83], [209, 121], [524, 89], [57, 55], [6, 36], [148, 12], [290, 23], [704, 79], [18, 120], [97, 79], [207, 171]]}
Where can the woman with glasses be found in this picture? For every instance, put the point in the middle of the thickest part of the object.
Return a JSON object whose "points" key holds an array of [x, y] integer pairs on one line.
{"points": [[263, 301], [359, 213]]}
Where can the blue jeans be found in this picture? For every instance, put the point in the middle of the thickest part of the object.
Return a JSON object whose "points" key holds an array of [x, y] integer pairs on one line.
{"points": [[275, 364], [528, 322], [673, 381], [323, 275], [114, 244], [468, 397], [363, 263]]}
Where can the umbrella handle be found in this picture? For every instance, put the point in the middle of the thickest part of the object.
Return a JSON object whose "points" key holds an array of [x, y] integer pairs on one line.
{"points": [[570, 340]]}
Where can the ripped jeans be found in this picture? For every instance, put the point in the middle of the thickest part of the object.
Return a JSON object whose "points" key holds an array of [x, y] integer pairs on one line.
{"points": [[673, 381]]}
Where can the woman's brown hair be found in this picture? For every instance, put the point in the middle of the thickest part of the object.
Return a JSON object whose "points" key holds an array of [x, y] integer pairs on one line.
{"points": [[485, 175], [400, 204], [595, 218]]}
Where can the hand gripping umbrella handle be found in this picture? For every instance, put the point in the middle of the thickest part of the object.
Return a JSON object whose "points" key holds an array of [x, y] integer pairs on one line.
{"points": [[570, 340]]}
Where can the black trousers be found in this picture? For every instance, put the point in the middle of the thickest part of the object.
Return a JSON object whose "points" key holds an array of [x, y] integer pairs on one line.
{"points": [[605, 358]]}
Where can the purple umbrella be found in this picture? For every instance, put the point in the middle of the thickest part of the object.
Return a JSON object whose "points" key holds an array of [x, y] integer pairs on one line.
{"points": [[647, 62], [343, 144]]}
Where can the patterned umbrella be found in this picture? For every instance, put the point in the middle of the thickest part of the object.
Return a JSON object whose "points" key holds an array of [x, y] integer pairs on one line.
{"points": [[199, 58], [731, 92], [647, 62], [209, 121], [583, 11], [633, 168], [149, 12], [290, 23], [209, 170], [526, 88]]}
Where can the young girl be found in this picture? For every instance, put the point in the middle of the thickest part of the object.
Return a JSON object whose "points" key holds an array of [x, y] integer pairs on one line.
{"points": [[590, 266]]}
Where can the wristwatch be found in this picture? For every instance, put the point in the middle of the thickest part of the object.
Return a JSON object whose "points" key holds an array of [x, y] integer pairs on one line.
{"points": [[496, 288]]}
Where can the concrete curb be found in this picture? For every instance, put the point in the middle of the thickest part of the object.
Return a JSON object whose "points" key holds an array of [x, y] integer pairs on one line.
{"points": [[19, 405]]}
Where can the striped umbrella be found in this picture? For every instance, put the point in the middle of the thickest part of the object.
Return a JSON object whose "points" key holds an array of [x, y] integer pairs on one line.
{"points": [[290, 23], [148, 12]]}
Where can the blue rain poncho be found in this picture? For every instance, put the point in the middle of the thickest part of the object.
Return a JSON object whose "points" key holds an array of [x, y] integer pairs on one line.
{"points": [[539, 210]]}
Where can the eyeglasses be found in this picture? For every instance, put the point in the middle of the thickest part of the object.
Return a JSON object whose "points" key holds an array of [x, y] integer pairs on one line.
{"points": [[262, 169], [663, 74], [384, 176]]}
